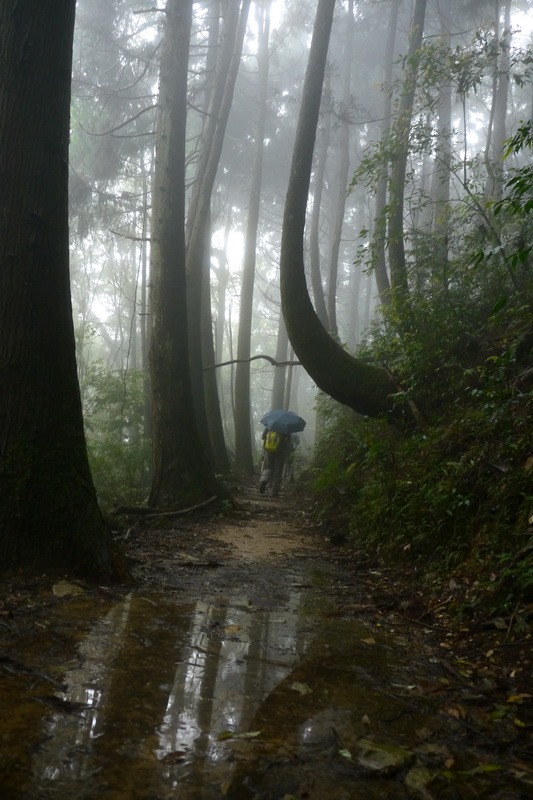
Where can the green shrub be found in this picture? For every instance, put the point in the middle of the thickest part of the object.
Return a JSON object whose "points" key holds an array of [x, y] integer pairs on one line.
{"points": [[456, 490], [119, 454]]}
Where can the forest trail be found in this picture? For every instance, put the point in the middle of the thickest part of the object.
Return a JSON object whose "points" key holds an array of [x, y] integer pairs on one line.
{"points": [[253, 659]]}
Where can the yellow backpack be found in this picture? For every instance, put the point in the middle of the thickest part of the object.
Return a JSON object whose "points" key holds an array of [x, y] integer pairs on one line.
{"points": [[272, 441]]}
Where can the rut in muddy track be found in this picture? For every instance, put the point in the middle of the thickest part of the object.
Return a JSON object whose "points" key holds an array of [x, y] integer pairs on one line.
{"points": [[250, 660]]}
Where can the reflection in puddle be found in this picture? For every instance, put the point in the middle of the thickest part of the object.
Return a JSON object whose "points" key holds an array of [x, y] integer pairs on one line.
{"points": [[158, 684], [234, 658], [222, 699], [79, 718]]}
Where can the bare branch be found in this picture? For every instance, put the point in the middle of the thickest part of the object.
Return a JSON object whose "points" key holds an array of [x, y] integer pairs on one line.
{"points": [[153, 10], [130, 236], [152, 513], [254, 358], [122, 124]]}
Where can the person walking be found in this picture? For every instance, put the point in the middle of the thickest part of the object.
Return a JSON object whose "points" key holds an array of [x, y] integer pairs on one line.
{"points": [[276, 447]]}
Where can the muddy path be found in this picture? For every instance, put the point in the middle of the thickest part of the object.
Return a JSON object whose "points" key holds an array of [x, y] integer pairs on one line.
{"points": [[251, 659]]}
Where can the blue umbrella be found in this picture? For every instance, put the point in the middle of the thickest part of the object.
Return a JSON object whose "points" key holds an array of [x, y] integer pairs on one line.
{"points": [[283, 421]]}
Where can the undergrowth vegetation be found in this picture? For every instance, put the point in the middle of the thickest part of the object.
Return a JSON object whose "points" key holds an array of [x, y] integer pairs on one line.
{"points": [[453, 491], [119, 453], [450, 490]]}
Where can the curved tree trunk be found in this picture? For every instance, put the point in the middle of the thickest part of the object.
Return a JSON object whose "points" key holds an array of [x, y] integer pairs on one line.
{"points": [[49, 516], [362, 386], [181, 470], [314, 226]]}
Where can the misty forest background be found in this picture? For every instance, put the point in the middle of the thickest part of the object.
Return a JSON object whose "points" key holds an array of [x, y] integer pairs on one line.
{"points": [[417, 247]]}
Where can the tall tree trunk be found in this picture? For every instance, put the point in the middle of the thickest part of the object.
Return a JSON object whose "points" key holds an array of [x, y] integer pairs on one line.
{"points": [[402, 129], [365, 322], [314, 224], [497, 136], [217, 443], [219, 328], [223, 275], [288, 384], [355, 296], [212, 50], [49, 516], [420, 212], [243, 435], [145, 343], [443, 153], [181, 469], [282, 349], [380, 217], [342, 176], [362, 386], [233, 31], [321, 156]]}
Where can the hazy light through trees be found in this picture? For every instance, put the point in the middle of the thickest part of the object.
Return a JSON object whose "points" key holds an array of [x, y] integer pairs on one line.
{"points": [[115, 85]]}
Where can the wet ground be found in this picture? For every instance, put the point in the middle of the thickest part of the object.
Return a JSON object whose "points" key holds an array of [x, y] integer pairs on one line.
{"points": [[250, 660]]}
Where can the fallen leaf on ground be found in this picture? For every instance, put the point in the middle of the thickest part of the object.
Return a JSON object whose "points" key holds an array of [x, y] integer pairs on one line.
{"points": [[346, 754], [231, 629], [233, 735], [457, 713], [65, 589], [518, 698], [174, 757], [301, 688]]}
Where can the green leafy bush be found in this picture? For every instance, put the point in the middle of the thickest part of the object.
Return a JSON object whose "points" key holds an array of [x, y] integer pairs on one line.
{"points": [[453, 490], [119, 454]]}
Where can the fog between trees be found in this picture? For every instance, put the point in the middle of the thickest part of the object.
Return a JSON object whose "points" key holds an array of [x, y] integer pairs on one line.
{"points": [[182, 139], [430, 104]]}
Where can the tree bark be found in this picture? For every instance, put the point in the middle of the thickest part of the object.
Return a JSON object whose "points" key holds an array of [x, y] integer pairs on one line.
{"points": [[181, 469], [243, 435], [380, 216], [314, 226], [497, 133], [282, 350], [233, 30], [443, 154], [402, 128], [145, 344], [355, 316], [217, 443], [362, 386], [49, 515], [343, 152]]}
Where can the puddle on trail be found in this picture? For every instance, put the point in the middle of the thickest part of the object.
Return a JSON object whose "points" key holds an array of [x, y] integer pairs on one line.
{"points": [[223, 699]]}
